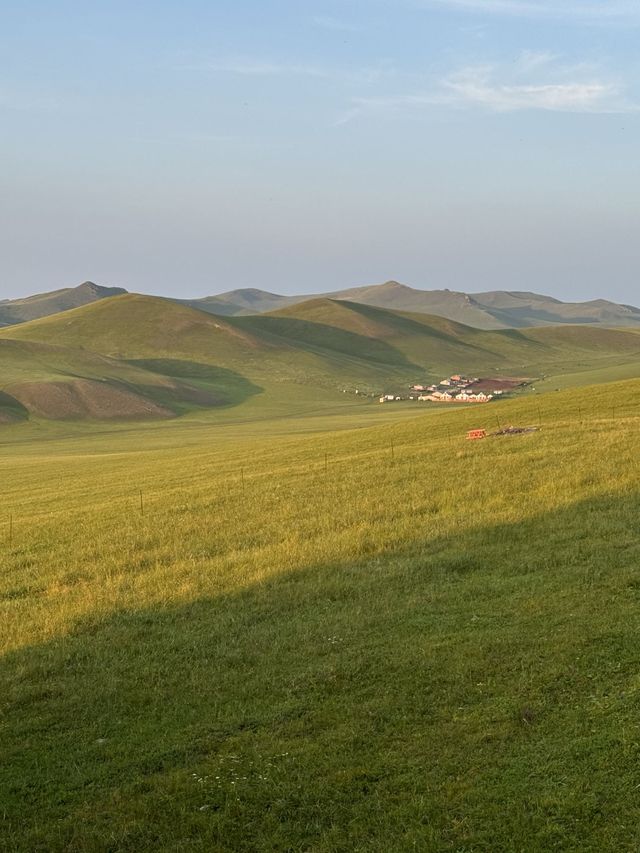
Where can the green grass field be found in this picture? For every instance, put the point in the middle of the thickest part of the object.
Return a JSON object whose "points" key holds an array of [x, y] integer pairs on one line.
{"points": [[352, 630]]}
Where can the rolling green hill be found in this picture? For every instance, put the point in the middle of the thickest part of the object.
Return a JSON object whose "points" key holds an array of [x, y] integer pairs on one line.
{"points": [[141, 327], [176, 357]]}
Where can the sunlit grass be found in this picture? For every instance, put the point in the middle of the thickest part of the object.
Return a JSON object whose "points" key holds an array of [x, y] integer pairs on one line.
{"points": [[385, 638]]}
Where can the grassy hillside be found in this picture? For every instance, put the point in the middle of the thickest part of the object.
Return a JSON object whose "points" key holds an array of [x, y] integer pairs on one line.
{"points": [[137, 325], [381, 639]]}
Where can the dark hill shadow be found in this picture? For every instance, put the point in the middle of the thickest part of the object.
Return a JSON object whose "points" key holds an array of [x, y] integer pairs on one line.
{"points": [[11, 409], [405, 697], [319, 338], [227, 386], [453, 332], [468, 341], [528, 317]]}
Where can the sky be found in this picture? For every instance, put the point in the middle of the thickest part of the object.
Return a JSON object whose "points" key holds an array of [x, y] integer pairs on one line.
{"points": [[190, 148]]}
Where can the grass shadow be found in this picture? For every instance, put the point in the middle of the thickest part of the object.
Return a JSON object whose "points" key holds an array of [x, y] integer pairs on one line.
{"points": [[225, 387], [319, 337], [12, 409], [395, 702]]}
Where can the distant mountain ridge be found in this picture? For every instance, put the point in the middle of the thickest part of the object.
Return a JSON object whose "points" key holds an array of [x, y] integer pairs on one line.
{"points": [[495, 309], [45, 304]]}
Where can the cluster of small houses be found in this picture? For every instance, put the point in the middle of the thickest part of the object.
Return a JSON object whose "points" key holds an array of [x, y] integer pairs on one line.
{"points": [[455, 389]]}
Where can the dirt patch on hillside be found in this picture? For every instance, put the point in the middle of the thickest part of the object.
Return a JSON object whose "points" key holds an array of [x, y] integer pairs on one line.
{"points": [[85, 398]]}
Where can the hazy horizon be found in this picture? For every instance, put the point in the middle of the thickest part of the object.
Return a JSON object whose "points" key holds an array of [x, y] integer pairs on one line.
{"points": [[306, 147]]}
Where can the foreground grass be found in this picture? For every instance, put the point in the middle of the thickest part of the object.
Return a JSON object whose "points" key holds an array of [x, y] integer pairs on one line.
{"points": [[380, 639]]}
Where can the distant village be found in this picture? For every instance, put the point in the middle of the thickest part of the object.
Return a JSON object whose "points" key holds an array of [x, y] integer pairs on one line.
{"points": [[457, 389]]}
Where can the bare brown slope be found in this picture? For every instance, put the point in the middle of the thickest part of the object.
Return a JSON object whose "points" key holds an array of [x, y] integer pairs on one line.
{"points": [[84, 398]]}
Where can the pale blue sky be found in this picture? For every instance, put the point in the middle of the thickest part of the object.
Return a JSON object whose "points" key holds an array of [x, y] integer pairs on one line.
{"points": [[194, 147]]}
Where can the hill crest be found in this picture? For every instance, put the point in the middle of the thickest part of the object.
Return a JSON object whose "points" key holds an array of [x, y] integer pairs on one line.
{"points": [[13, 311]]}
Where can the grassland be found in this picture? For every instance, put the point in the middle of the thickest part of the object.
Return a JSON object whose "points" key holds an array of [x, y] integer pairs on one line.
{"points": [[373, 638]]}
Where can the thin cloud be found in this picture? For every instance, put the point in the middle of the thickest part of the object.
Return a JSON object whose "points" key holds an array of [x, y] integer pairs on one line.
{"points": [[477, 87], [500, 90]]}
